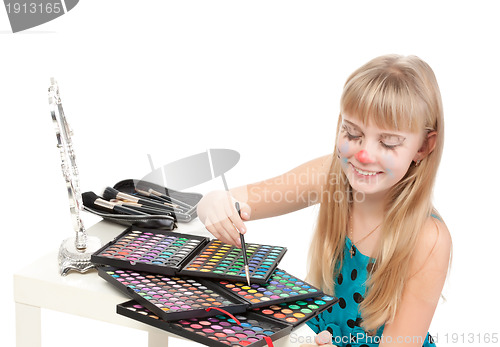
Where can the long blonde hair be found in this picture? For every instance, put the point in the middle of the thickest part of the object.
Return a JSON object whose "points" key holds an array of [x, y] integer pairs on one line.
{"points": [[399, 93]]}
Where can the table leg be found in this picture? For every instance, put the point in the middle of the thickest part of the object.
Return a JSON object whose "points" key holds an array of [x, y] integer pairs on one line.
{"points": [[28, 326], [157, 339]]}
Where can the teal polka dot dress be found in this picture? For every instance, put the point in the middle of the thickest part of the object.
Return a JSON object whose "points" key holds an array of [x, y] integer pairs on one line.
{"points": [[343, 320]]}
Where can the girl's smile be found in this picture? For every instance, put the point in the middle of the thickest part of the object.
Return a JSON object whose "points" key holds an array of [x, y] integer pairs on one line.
{"points": [[364, 173]]}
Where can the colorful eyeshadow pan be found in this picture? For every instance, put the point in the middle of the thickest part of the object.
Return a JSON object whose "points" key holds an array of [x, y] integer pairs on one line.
{"points": [[150, 250], [220, 260], [281, 287], [220, 330], [299, 311], [172, 297]]}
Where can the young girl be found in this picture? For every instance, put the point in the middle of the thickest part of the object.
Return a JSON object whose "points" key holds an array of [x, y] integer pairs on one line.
{"points": [[379, 245]]}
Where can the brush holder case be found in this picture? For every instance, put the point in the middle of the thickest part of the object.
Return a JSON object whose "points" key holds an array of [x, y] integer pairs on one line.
{"points": [[186, 201]]}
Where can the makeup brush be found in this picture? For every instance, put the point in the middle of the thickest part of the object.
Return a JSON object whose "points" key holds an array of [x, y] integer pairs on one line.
{"points": [[91, 198], [111, 193], [169, 198], [155, 197], [142, 208], [243, 246]]}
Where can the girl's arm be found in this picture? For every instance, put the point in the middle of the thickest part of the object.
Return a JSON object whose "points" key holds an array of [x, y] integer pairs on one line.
{"points": [[423, 288], [294, 190]]}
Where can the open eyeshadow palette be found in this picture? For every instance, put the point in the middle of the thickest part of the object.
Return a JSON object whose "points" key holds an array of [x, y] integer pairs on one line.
{"points": [[220, 330], [172, 253], [300, 311], [220, 260], [158, 251], [281, 287], [273, 321], [173, 297]]}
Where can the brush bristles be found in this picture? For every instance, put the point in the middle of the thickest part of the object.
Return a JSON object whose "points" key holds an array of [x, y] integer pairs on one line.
{"points": [[89, 198], [110, 193]]}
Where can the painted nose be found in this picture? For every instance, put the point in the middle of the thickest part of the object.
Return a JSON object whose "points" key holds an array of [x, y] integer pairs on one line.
{"points": [[363, 157]]}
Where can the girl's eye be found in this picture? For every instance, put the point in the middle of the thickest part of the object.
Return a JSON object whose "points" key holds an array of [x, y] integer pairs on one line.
{"points": [[390, 147], [352, 137], [391, 141], [349, 135]]}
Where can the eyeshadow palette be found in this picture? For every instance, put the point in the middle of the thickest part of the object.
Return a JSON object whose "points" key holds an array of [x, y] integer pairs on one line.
{"points": [[158, 251], [173, 297], [172, 253], [298, 312], [220, 330], [281, 287], [220, 260]]}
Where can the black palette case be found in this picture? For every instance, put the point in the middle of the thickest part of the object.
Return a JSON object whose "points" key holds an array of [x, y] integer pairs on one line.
{"points": [[172, 253], [281, 287], [220, 330], [141, 249], [173, 297]]}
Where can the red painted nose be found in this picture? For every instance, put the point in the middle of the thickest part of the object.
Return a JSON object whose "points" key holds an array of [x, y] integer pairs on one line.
{"points": [[363, 157]]}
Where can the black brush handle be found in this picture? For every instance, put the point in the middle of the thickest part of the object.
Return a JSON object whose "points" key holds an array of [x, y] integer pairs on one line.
{"points": [[154, 203], [112, 193], [176, 208], [91, 199], [170, 199], [242, 238], [149, 210], [127, 210]]}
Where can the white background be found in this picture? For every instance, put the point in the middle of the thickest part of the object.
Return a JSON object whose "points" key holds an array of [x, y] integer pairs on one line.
{"points": [[174, 78]]}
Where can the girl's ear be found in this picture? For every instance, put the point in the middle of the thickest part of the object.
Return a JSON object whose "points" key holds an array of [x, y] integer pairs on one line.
{"points": [[427, 147]]}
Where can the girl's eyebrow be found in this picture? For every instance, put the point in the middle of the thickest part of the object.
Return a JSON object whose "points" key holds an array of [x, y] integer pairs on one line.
{"points": [[399, 137], [381, 135], [354, 125]]}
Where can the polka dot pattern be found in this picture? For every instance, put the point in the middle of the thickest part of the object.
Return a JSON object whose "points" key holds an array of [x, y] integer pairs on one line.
{"points": [[358, 298], [354, 275], [350, 288]]}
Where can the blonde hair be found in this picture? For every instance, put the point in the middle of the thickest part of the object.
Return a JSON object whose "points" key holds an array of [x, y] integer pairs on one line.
{"points": [[400, 93]]}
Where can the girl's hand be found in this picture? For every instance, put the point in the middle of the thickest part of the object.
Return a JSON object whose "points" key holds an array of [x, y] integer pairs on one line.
{"points": [[324, 338], [218, 212]]}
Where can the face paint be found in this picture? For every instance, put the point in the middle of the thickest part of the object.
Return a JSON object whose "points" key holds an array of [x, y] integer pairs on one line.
{"points": [[344, 148], [363, 157], [343, 151], [373, 160], [389, 164]]}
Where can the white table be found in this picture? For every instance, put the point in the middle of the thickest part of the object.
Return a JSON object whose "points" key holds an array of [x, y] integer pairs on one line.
{"points": [[87, 295]]}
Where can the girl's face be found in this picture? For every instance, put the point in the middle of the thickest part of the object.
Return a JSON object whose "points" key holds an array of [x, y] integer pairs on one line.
{"points": [[375, 159]]}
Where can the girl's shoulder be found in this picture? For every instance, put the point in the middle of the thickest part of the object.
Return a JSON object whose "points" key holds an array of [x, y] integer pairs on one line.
{"points": [[435, 234], [433, 248]]}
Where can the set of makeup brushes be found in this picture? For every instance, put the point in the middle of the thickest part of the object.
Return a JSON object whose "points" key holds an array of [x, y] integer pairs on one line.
{"points": [[143, 202]]}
